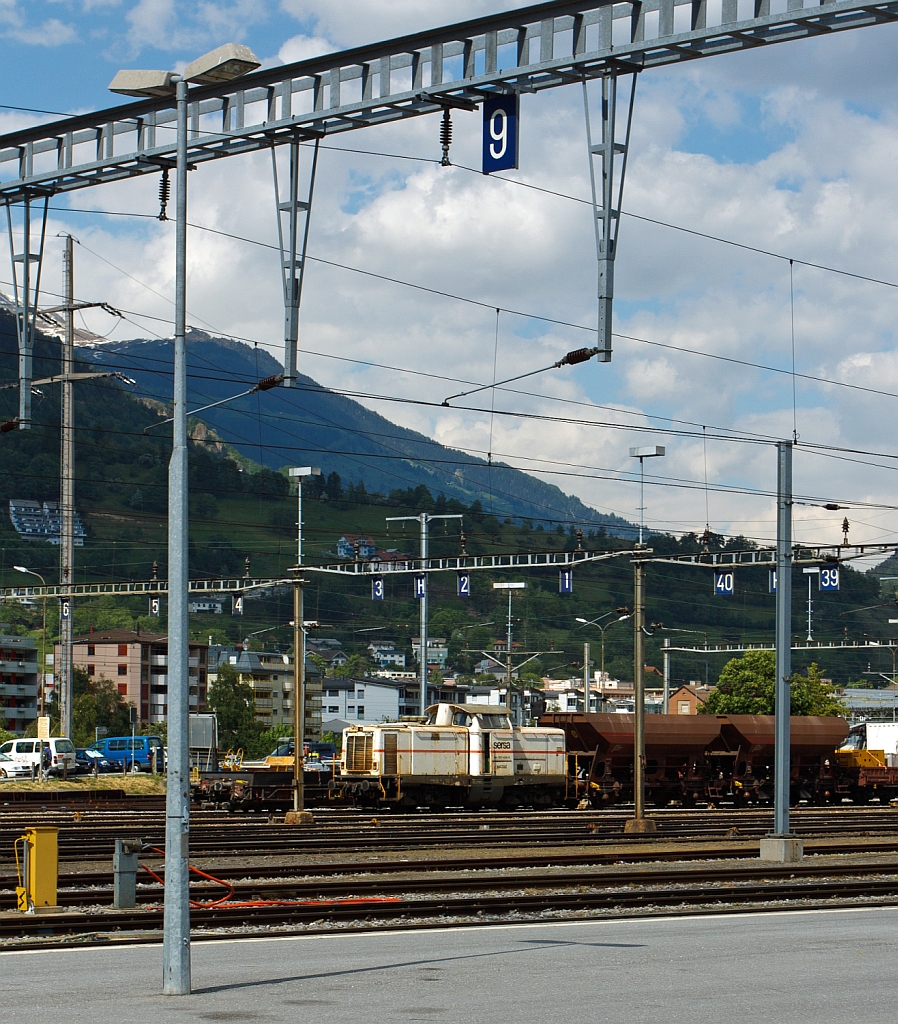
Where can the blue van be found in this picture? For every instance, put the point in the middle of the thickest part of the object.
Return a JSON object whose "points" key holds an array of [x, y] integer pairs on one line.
{"points": [[130, 751]]}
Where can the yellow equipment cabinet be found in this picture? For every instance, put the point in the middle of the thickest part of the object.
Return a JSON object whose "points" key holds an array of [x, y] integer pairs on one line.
{"points": [[37, 869]]}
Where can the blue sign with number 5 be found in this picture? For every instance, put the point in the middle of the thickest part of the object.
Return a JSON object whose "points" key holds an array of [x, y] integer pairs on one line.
{"points": [[829, 579], [500, 133]]}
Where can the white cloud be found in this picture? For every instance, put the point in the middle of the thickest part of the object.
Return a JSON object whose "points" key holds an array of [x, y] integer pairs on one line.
{"points": [[304, 47]]}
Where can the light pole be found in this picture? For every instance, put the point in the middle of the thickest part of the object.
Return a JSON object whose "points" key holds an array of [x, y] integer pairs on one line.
{"points": [[222, 64], [43, 690], [639, 823], [299, 473], [424, 519], [654, 451], [811, 573], [510, 587], [607, 626]]}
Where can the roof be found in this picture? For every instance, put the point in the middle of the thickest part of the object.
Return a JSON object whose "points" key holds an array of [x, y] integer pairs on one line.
{"points": [[126, 636]]}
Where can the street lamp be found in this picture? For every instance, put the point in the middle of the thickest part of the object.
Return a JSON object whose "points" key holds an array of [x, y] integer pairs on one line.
{"points": [[43, 690], [299, 473], [608, 625], [222, 64]]}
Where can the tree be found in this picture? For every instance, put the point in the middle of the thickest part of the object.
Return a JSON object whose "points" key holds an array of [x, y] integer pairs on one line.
{"points": [[234, 704], [98, 704], [357, 666], [747, 687]]}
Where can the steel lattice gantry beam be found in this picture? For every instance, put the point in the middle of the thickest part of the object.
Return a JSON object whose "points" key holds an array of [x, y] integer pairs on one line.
{"points": [[240, 585], [797, 645], [527, 50]]}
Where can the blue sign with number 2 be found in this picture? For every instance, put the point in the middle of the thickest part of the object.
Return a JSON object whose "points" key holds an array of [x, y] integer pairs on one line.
{"points": [[500, 133]]}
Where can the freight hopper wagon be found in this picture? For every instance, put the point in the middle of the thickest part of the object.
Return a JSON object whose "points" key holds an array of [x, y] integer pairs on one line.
{"points": [[462, 756], [701, 758]]}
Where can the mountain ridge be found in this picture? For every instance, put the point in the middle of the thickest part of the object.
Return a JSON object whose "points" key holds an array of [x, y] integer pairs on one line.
{"points": [[347, 438]]}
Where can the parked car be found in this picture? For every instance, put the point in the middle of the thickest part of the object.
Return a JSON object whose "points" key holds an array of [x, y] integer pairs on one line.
{"points": [[88, 761], [28, 752], [136, 751], [10, 769]]}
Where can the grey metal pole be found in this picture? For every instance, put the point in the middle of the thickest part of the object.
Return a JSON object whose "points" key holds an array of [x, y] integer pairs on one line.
{"points": [[666, 675], [299, 669], [782, 704], [508, 639], [63, 671], [639, 690], [423, 614], [586, 678], [176, 937]]}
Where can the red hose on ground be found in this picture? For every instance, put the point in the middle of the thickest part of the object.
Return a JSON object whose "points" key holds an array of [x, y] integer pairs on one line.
{"points": [[262, 903]]}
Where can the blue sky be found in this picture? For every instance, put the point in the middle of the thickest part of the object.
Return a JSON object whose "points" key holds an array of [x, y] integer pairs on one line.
{"points": [[790, 149]]}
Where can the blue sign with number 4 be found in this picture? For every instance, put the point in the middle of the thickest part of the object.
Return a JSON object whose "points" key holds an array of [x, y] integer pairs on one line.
{"points": [[500, 133]]}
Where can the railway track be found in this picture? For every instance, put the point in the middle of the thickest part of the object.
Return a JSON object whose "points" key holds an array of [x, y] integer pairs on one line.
{"points": [[284, 882], [89, 840], [451, 909]]}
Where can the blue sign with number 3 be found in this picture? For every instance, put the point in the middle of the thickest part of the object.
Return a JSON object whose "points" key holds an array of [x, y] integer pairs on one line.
{"points": [[377, 588], [500, 133]]}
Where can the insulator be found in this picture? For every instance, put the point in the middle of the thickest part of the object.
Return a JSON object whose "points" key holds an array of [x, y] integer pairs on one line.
{"points": [[267, 383], [164, 194], [579, 355], [9, 425], [446, 137]]}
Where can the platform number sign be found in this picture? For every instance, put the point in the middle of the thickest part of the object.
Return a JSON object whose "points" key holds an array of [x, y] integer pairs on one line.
{"points": [[566, 581], [154, 607], [377, 588], [464, 584], [829, 579], [420, 585], [500, 133], [237, 606], [724, 584], [65, 608], [771, 581]]}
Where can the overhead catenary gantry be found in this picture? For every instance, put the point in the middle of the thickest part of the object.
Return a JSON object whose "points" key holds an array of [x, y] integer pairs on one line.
{"points": [[544, 46]]}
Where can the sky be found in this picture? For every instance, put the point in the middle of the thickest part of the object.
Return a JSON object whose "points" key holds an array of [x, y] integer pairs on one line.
{"points": [[789, 149]]}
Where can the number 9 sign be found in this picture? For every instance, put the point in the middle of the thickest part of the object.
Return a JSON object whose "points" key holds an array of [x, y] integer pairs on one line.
{"points": [[500, 133]]}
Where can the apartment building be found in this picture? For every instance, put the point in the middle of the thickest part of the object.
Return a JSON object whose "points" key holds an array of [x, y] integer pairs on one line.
{"points": [[137, 663], [19, 683]]}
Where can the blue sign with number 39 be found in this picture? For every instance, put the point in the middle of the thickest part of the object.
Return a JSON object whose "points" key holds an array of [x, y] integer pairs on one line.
{"points": [[500, 133], [829, 579]]}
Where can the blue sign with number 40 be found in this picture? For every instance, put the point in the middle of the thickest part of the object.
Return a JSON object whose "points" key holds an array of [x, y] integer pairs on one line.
{"points": [[500, 133]]}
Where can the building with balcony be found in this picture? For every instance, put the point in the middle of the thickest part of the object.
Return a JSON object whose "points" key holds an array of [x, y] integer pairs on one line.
{"points": [[137, 663], [437, 651], [34, 520], [359, 700], [19, 683], [386, 654], [270, 674]]}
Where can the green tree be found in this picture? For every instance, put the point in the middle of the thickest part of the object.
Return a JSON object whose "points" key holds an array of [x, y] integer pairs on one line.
{"points": [[357, 666], [99, 704], [233, 703], [747, 687]]}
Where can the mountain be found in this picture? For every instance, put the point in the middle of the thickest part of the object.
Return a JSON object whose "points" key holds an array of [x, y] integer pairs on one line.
{"points": [[311, 424]]}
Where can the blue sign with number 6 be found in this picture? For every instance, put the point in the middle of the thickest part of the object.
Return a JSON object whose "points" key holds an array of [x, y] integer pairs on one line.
{"points": [[500, 133], [829, 579]]}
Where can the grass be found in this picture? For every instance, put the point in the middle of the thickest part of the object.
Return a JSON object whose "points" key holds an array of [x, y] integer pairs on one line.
{"points": [[133, 785]]}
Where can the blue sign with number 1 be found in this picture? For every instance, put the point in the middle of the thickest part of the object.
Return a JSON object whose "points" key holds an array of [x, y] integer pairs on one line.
{"points": [[500, 133]]}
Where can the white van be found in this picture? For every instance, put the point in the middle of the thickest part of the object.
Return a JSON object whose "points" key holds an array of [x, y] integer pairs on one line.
{"points": [[62, 753]]}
